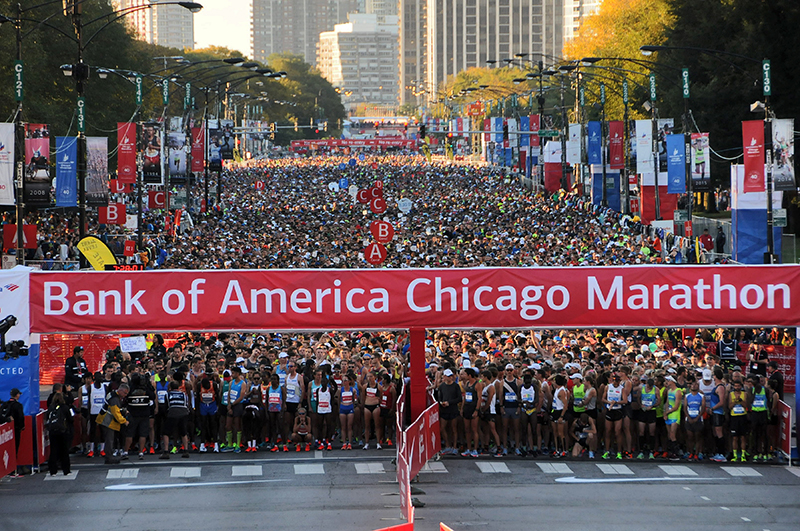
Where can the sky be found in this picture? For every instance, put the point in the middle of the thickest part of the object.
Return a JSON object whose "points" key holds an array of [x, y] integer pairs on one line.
{"points": [[223, 23]]}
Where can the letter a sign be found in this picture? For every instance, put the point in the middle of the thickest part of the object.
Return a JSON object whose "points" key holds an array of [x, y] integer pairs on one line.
{"points": [[375, 253]]}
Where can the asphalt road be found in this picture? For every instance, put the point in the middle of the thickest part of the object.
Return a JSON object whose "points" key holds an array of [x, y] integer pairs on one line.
{"points": [[356, 491]]}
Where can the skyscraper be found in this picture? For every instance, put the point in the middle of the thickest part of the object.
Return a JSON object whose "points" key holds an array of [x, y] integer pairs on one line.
{"points": [[165, 25], [466, 33], [293, 26], [413, 51], [575, 12]]}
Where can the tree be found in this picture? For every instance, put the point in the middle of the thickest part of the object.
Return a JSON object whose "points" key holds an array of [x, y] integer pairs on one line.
{"points": [[618, 29]]}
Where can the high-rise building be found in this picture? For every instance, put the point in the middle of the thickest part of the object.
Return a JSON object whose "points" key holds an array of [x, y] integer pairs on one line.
{"points": [[413, 51], [359, 58], [293, 26], [165, 25], [172, 26], [575, 12], [467, 33], [381, 7]]}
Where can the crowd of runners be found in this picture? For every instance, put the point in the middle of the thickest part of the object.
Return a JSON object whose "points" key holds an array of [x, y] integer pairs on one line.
{"points": [[585, 393]]}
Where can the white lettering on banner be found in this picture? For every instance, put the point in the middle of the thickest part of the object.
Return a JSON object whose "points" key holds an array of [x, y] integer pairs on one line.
{"points": [[57, 303], [11, 371], [750, 297], [507, 302], [302, 300], [6, 435]]}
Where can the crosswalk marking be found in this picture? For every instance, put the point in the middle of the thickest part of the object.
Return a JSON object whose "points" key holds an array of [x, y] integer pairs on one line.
{"points": [[434, 467], [246, 470], [123, 473], [309, 469], [62, 477], [554, 468], [369, 468], [740, 471], [794, 471], [615, 469], [185, 472], [677, 470], [493, 468]]}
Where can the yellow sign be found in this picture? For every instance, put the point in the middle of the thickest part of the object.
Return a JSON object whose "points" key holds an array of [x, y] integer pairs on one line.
{"points": [[96, 252]]}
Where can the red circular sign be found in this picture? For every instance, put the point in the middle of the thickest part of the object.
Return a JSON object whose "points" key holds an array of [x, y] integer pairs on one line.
{"points": [[378, 184], [375, 192], [259, 185], [378, 205], [374, 165], [382, 231], [375, 253], [363, 196]]}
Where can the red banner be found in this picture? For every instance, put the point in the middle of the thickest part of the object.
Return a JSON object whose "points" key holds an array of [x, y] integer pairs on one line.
{"points": [[118, 187], [534, 122], [126, 152], [113, 214], [10, 236], [8, 453], [616, 145], [42, 441], [354, 143], [785, 427], [753, 142], [487, 126], [603, 297], [156, 199], [422, 439], [198, 148]]}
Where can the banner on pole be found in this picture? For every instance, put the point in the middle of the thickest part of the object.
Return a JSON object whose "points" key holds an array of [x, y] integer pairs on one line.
{"points": [[676, 164], [176, 144], [616, 145], [126, 152], [783, 154], [152, 147], [753, 143], [574, 144], [644, 147], [198, 148], [37, 165], [700, 163], [594, 135], [66, 171], [534, 125], [96, 170]]}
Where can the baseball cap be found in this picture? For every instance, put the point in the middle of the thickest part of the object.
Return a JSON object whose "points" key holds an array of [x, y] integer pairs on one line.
{"points": [[240, 360], [465, 355], [509, 366], [448, 372], [707, 374], [283, 355], [670, 378], [577, 375]]}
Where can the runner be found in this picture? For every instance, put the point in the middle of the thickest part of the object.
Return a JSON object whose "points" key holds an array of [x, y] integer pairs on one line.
{"points": [[695, 404], [449, 393], [584, 432], [294, 385], [649, 401], [276, 399], [371, 401], [672, 416], [489, 414], [301, 431], [531, 400], [388, 405], [326, 425], [510, 407], [208, 415], [614, 401], [558, 416], [348, 396]]}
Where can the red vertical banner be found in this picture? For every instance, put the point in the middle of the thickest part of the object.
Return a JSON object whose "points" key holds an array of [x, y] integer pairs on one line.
{"points": [[534, 121], [8, 453], [198, 148], [616, 145], [753, 143], [126, 152], [42, 440]]}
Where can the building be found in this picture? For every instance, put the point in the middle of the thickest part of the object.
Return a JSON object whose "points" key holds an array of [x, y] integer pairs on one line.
{"points": [[381, 7], [462, 34], [359, 58], [575, 12], [413, 51], [293, 26], [165, 25]]}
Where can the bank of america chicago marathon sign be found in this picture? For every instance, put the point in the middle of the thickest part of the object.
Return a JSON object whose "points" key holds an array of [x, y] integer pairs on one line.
{"points": [[607, 297]]}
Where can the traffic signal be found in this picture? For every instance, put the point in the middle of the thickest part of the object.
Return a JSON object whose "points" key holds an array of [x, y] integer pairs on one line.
{"points": [[295, 126], [325, 126], [272, 128], [505, 132], [422, 131]]}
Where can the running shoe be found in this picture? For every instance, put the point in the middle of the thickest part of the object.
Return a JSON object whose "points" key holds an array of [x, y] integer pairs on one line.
{"points": [[606, 455], [175, 450], [273, 449], [236, 450], [499, 453], [474, 453], [164, 455], [466, 453], [651, 456], [279, 439], [640, 456], [285, 447], [379, 447], [329, 447], [308, 447], [366, 446], [203, 448], [591, 454], [518, 452], [297, 447], [619, 455], [216, 448], [194, 447], [185, 454], [90, 454], [141, 456], [700, 457], [627, 455], [320, 446], [388, 442], [505, 451], [227, 449], [564, 455], [102, 453]]}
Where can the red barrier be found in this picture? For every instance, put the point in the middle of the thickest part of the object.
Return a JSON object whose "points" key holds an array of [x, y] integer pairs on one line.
{"points": [[423, 439], [8, 454], [25, 457], [785, 427], [42, 440], [402, 527]]}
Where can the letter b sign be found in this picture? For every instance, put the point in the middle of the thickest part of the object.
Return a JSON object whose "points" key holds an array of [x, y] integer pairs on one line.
{"points": [[382, 231]]}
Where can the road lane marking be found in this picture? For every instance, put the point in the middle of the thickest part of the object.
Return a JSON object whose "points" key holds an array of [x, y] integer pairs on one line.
{"points": [[615, 469], [129, 486], [492, 468], [677, 470], [123, 473], [369, 468], [434, 467], [62, 477], [573, 479], [309, 469], [185, 472], [740, 471], [246, 470], [554, 468]]}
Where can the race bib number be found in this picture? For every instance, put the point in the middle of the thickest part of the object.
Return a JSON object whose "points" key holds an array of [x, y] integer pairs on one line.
{"points": [[468, 397], [510, 397]]}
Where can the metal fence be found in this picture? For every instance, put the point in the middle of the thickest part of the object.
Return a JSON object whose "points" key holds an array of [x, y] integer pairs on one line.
{"points": [[789, 249], [53, 265]]}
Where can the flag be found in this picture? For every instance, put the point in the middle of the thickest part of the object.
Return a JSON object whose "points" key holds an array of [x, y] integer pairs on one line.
{"points": [[616, 145], [676, 164], [574, 144], [524, 125], [96, 170], [595, 148], [198, 148], [126, 152], [7, 164], [534, 124], [644, 147], [783, 154], [176, 144], [700, 163], [66, 171], [37, 165], [753, 143], [151, 145]]}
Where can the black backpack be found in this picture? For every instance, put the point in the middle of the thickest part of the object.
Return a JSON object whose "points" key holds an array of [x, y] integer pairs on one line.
{"points": [[56, 420]]}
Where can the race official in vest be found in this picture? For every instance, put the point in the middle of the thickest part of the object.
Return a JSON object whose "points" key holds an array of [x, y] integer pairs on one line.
{"points": [[112, 419]]}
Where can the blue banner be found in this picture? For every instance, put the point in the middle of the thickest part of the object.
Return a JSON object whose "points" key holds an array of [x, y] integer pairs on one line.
{"points": [[524, 125], [498, 128], [676, 164], [595, 143], [66, 171]]}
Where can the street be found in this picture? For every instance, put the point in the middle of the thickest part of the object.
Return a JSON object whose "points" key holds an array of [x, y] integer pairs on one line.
{"points": [[356, 490]]}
